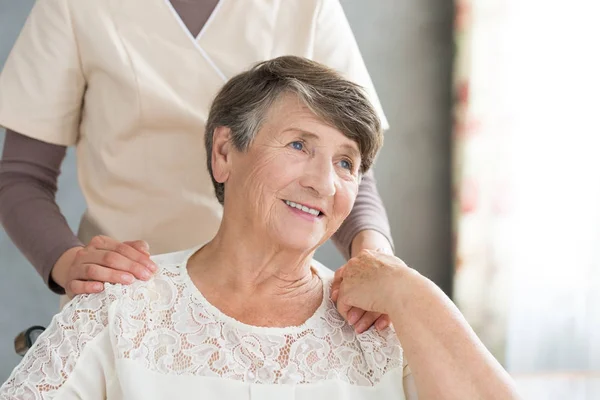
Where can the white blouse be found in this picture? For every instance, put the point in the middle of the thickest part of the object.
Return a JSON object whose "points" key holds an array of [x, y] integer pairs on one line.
{"points": [[162, 339]]}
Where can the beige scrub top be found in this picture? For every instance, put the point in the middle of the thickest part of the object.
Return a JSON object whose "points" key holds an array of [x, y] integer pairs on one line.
{"points": [[128, 85]]}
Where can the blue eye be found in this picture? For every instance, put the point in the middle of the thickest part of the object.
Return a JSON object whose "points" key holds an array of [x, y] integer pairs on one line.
{"points": [[346, 164], [297, 145]]}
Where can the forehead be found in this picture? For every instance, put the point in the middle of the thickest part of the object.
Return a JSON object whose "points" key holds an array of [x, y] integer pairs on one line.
{"points": [[290, 114]]}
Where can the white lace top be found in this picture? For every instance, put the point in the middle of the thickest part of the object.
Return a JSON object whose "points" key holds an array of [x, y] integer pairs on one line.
{"points": [[162, 339]]}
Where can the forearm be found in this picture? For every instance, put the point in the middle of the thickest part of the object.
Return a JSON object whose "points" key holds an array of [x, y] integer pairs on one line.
{"points": [[35, 225], [28, 211], [372, 240], [446, 358], [367, 225]]}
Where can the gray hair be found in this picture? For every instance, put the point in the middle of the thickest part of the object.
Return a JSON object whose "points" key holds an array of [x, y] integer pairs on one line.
{"points": [[243, 103]]}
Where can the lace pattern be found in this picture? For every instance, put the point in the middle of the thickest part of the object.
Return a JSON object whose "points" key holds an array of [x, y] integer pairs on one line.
{"points": [[48, 364], [168, 327]]}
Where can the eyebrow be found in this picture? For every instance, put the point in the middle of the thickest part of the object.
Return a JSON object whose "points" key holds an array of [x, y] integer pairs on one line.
{"points": [[309, 135]]}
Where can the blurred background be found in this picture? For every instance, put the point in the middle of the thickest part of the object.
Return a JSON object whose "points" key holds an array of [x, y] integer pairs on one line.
{"points": [[490, 174]]}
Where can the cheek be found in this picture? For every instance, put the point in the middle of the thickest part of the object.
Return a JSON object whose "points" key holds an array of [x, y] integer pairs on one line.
{"points": [[345, 197], [266, 174]]}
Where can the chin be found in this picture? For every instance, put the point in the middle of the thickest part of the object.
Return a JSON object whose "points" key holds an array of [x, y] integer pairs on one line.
{"points": [[300, 241]]}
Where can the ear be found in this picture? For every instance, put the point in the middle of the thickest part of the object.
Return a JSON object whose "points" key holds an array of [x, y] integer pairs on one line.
{"points": [[221, 154]]}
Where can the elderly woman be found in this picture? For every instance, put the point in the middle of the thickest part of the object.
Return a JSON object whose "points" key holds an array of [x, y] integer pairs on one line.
{"points": [[247, 315]]}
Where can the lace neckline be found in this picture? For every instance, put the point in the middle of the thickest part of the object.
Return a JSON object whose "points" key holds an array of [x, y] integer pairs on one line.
{"points": [[312, 322]]}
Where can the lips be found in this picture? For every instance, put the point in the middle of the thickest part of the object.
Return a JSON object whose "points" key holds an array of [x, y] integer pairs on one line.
{"points": [[309, 209]]}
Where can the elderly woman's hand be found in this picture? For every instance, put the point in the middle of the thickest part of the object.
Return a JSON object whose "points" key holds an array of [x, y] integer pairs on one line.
{"points": [[361, 319], [365, 287]]}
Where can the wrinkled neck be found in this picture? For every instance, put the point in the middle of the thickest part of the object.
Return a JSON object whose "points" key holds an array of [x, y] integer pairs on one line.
{"points": [[248, 263]]}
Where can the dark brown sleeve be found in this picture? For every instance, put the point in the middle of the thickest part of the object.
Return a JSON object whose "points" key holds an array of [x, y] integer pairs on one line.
{"points": [[29, 171], [368, 213]]}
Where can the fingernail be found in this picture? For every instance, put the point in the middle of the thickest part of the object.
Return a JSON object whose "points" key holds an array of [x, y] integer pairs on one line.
{"points": [[151, 266], [146, 274], [360, 328], [380, 325], [127, 278], [352, 318], [98, 287]]}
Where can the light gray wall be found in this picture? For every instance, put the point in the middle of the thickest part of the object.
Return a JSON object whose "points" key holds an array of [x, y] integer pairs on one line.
{"points": [[407, 46]]}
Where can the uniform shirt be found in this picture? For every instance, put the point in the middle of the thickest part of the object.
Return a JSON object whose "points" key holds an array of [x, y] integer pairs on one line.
{"points": [[130, 86]]}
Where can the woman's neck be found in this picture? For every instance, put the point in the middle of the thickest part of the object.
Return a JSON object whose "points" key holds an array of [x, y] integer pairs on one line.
{"points": [[254, 283], [250, 265]]}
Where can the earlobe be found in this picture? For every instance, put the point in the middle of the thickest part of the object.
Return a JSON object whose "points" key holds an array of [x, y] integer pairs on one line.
{"points": [[221, 157]]}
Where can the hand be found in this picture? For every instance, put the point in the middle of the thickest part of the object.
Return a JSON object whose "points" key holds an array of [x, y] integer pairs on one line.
{"points": [[366, 287], [362, 320], [85, 269]]}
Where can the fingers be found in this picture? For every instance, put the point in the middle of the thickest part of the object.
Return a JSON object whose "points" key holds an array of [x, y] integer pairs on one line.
{"points": [[383, 322], [135, 251], [140, 245], [363, 320], [107, 260], [337, 278], [135, 256], [343, 309], [354, 315], [367, 321], [103, 273], [76, 287], [335, 284], [334, 295], [109, 266]]}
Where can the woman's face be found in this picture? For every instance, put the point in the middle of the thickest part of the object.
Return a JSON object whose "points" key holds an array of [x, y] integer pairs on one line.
{"points": [[298, 180]]}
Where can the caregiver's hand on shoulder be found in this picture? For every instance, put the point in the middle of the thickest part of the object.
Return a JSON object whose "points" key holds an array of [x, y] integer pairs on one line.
{"points": [[367, 286], [85, 269]]}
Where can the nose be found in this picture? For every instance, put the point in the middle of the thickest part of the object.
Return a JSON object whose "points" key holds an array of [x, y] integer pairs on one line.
{"points": [[319, 176]]}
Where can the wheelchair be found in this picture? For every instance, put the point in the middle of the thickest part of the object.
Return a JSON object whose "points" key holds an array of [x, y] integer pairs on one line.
{"points": [[25, 339]]}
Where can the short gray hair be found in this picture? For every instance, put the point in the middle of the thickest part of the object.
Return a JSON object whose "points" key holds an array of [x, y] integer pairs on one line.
{"points": [[243, 103]]}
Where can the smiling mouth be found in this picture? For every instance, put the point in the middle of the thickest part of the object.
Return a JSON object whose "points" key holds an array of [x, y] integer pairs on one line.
{"points": [[312, 211]]}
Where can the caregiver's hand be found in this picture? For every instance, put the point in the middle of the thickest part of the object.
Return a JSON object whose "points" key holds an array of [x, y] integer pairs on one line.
{"points": [[85, 269], [364, 288]]}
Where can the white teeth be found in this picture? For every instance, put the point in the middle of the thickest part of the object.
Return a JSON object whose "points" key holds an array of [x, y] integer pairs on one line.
{"points": [[311, 211]]}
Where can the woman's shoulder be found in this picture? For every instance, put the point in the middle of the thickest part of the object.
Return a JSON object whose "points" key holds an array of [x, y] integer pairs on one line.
{"points": [[160, 288], [173, 259], [323, 271]]}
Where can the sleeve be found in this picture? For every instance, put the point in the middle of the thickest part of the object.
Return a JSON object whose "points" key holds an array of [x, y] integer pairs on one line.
{"points": [[336, 47], [368, 213], [29, 171], [42, 84], [72, 358]]}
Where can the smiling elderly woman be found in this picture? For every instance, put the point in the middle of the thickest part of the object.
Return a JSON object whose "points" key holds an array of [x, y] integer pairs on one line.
{"points": [[248, 315]]}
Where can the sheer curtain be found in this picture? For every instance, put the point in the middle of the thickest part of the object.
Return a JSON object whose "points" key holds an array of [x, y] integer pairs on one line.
{"points": [[482, 188], [527, 168]]}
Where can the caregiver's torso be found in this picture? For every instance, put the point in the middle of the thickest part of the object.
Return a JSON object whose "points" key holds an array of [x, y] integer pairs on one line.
{"points": [[150, 83]]}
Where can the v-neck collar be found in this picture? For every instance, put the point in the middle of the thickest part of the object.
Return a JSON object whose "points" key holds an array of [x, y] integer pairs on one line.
{"points": [[182, 24], [195, 41]]}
